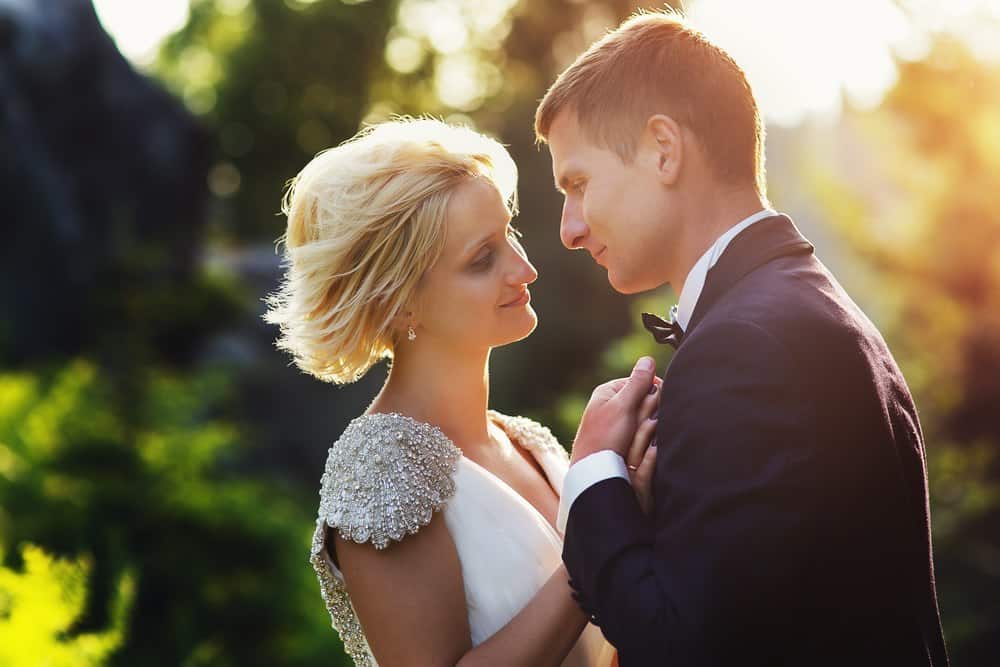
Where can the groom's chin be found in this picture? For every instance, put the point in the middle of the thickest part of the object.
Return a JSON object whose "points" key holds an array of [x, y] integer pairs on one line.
{"points": [[630, 284], [622, 284]]}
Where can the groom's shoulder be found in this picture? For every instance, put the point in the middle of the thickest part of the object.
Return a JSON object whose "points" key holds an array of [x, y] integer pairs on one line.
{"points": [[786, 309], [799, 303], [793, 292]]}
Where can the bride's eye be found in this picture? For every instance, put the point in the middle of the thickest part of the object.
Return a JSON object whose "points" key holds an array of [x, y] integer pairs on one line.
{"points": [[513, 232], [483, 263]]}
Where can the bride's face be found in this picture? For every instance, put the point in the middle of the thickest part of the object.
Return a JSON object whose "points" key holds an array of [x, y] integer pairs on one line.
{"points": [[476, 295]]}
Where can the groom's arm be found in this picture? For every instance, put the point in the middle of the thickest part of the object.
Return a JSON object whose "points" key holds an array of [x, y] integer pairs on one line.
{"points": [[732, 494], [602, 465]]}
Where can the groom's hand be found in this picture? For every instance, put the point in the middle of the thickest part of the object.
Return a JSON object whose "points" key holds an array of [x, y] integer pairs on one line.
{"points": [[611, 417]]}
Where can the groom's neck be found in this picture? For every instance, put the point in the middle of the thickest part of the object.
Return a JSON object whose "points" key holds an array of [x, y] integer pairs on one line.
{"points": [[710, 215]]}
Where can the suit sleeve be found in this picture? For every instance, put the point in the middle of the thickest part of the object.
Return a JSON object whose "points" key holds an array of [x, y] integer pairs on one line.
{"points": [[721, 555]]}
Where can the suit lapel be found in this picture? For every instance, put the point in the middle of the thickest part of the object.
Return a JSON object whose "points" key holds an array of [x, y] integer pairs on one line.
{"points": [[757, 245]]}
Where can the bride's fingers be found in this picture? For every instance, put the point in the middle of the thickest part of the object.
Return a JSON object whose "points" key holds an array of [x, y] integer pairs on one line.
{"points": [[642, 480], [650, 405], [643, 435]]}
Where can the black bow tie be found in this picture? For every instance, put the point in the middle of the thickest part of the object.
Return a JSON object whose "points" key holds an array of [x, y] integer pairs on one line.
{"points": [[670, 333]]}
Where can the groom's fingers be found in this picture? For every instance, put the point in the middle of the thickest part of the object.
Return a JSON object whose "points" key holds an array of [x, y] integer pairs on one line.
{"points": [[638, 384], [605, 392]]}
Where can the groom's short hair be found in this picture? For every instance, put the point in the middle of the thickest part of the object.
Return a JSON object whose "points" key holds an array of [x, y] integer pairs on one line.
{"points": [[656, 63]]}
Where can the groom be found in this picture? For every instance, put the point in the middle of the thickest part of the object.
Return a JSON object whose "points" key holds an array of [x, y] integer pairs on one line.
{"points": [[791, 521]]}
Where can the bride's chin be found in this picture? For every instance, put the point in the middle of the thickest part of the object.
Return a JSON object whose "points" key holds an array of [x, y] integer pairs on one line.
{"points": [[528, 323]]}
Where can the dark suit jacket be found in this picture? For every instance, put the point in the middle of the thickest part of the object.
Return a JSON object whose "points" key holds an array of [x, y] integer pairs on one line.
{"points": [[791, 524]]}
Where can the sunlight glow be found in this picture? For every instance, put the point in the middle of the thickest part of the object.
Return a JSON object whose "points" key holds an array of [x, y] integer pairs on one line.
{"points": [[139, 28], [803, 57]]}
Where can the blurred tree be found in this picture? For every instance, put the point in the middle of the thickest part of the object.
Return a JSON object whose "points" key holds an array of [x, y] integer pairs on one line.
{"points": [[928, 222], [275, 82], [38, 606], [154, 494], [104, 182], [116, 439]]}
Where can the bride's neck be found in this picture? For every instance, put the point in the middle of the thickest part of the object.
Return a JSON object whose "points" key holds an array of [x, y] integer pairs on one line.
{"points": [[440, 387]]}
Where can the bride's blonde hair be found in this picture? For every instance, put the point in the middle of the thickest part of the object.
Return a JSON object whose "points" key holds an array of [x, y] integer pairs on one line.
{"points": [[365, 221]]}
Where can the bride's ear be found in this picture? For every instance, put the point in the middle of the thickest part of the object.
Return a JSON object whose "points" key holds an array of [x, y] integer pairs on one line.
{"points": [[665, 142], [403, 322]]}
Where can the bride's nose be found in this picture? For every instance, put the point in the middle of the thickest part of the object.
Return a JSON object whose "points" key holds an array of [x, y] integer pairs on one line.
{"points": [[523, 272]]}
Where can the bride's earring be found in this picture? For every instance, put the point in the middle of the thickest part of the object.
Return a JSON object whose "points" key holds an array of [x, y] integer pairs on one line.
{"points": [[410, 333]]}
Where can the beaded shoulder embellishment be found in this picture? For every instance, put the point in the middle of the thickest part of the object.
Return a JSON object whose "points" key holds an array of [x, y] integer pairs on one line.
{"points": [[529, 433], [385, 477]]}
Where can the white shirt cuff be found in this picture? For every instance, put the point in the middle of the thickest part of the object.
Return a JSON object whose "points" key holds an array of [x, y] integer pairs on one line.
{"points": [[583, 474]]}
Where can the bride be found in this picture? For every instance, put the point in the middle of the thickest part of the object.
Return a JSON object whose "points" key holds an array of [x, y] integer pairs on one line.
{"points": [[435, 542]]}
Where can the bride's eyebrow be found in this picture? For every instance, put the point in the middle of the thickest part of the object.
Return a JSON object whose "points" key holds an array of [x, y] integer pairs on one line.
{"points": [[484, 240], [472, 247]]}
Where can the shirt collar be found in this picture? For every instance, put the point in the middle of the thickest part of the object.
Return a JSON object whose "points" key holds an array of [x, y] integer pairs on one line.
{"points": [[695, 281]]}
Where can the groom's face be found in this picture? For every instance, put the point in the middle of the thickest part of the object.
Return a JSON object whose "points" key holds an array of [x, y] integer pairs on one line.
{"points": [[614, 211]]}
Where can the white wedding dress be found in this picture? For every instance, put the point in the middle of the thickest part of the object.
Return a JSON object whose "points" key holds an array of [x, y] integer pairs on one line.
{"points": [[388, 473]]}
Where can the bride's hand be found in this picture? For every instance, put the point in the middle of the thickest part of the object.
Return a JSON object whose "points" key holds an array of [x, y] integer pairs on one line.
{"points": [[641, 457]]}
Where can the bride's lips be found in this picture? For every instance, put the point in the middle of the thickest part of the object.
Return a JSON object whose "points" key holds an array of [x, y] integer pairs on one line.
{"points": [[522, 299], [597, 256]]}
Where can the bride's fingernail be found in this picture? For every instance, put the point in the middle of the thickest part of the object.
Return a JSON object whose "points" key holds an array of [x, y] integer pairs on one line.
{"points": [[653, 443], [654, 418], [652, 390]]}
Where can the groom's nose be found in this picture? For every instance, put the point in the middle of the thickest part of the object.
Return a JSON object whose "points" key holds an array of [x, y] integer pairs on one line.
{"points": [[572, 229]]}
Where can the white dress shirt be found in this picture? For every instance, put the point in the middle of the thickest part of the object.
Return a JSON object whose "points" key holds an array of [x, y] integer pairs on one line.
{"points": [[607, 464]]}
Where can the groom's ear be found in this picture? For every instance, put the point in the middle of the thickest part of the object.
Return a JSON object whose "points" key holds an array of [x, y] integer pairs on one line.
{"points": [[666, 145]]}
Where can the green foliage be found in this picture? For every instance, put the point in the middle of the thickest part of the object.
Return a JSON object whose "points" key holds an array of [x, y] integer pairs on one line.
{"points": [[39, 605], [216, 558], [276, 82]]}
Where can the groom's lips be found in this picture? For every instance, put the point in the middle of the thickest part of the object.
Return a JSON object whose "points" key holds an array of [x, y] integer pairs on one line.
{"points": [[597, 256]]}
